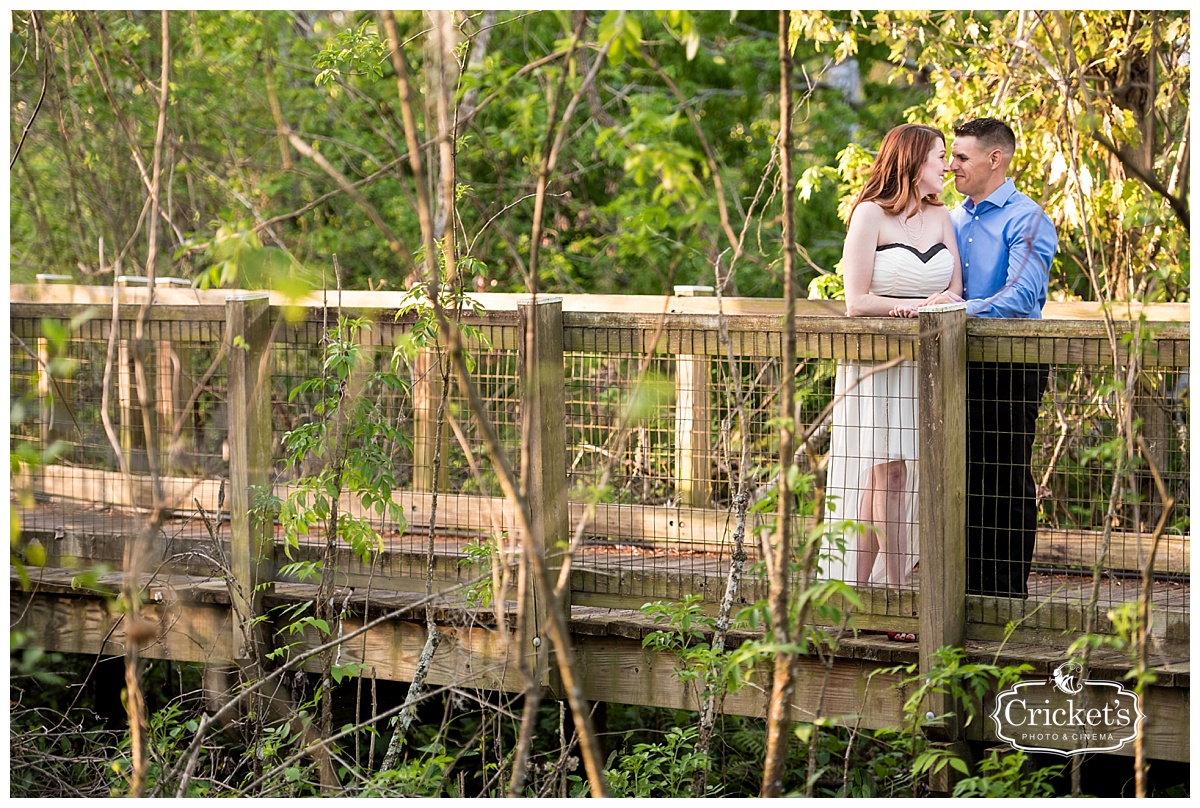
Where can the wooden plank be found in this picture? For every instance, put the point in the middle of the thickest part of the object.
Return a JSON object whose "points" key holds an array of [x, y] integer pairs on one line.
{"points": [[620, 670], [467, 656], [26, 323], [175, 352], [544, 479], [248, 328], [693, 431], [623, 332], [1057, 622], [1127, 551], [126, 412], [943, 492], [1095, 350], [500, 334], [389, 301], [1071, 333], [611, 669], [427, 394], [196, 625], [82, 624], [655, 526], [98, 487]]}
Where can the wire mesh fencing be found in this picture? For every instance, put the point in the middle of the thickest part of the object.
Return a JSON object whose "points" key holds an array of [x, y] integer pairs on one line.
{"points": [[1077, 469], [668, 425], [1076, 466], [96, 412]]}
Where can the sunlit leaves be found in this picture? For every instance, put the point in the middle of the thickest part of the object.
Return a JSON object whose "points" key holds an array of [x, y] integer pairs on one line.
{"points": [[1059, 79], [625, 32], [820, 29], [682, 26], [358, 51]]}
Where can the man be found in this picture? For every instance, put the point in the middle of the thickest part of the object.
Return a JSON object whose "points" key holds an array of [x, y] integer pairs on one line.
{"points": [[1006, 243]]}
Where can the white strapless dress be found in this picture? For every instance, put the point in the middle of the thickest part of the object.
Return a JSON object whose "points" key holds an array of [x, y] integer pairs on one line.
{"points": [[875, 414]]}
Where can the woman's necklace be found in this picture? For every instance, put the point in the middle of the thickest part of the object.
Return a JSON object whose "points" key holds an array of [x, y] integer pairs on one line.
{"points": [[908, 228]]}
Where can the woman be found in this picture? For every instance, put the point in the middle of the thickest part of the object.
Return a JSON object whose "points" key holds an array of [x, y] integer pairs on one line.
{"points": [[900, 254]]}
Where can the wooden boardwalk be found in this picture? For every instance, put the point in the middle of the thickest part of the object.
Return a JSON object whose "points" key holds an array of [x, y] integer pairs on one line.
{"points": [[98, 533], [634, 553], [193, 622], [190, 606]]}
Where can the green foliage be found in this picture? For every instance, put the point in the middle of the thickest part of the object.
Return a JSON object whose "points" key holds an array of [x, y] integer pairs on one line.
{"points": [[661, 769], [637, 212], [951, 675], [424, 331], [701, 666], [28, 450], [30, 660], [479, 556], [1008, 776], [1119, 237], [353, 440], [359, 51], [422, 776]]}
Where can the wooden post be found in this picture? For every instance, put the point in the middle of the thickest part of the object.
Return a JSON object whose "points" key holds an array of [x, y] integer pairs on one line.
{"points": [[942, 361], [693, 432], [248, 330], [173, 382], [174, 360], [127, 412], [544, 418], [427, 397], [53, 397]]}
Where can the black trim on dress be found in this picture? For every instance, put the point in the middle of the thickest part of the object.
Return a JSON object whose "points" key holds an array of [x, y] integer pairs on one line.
{"points": [[925, 257]]}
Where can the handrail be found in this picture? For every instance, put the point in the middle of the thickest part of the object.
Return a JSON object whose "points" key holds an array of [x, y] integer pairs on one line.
{"points": [[753, 323], [617, 305]]}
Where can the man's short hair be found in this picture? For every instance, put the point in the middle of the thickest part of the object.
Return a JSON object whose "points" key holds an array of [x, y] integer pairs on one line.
{"points": [[991, 134]]}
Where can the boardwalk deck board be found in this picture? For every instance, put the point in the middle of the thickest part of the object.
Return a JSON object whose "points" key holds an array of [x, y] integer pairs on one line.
{"points": [[194, 617], [600, 568]]}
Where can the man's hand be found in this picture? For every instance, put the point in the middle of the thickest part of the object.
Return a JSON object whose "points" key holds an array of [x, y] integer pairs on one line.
{"points": [[935, 299], [939, 298]]}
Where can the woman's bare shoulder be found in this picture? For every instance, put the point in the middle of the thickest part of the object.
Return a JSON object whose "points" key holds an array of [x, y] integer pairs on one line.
{"points": [[869, 212]]}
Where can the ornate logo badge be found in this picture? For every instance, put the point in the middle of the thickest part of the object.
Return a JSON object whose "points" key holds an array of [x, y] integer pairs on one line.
{"points": [[1066, 714]]}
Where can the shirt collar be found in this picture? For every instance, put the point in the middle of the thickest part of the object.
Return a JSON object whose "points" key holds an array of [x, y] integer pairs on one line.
{"points": [[996, 198]]}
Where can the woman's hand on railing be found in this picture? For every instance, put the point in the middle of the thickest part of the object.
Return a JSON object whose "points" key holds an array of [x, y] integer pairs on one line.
{"points": [[935, 299]]}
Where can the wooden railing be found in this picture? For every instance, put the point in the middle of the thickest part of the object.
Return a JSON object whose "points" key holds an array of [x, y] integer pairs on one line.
{"points": [[684, 333]]}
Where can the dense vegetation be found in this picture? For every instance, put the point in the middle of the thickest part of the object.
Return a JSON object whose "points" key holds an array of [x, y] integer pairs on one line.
{"points": [[283, 142]]}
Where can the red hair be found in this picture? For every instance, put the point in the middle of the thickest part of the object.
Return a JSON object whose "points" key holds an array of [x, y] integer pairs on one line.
{"points": [[892, 183]]}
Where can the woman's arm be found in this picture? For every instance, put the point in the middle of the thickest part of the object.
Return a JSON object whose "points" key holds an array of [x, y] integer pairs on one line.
{"points": [[858, 263]]}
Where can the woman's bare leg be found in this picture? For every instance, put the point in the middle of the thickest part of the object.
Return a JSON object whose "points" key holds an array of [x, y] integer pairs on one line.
{"points": [[867, 541], [889, 507]]}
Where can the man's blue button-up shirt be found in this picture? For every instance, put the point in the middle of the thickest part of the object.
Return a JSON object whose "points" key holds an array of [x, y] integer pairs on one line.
{"points": [[1006, 243]]}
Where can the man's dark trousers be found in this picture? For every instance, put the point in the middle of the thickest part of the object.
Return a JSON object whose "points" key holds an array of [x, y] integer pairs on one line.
{"points": [[1002, 408]]}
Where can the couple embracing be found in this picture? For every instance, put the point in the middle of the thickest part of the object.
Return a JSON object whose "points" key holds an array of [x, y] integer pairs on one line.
{"points": [[905, 250]]}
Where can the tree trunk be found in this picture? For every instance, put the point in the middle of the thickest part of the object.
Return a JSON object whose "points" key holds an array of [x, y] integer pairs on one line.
{"points": [[779, 713]]}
